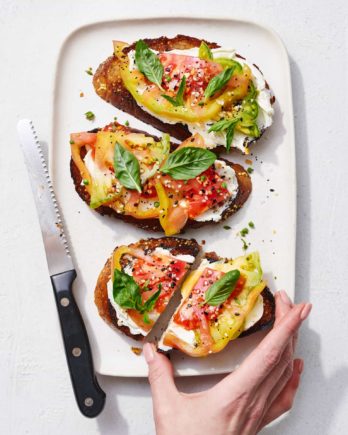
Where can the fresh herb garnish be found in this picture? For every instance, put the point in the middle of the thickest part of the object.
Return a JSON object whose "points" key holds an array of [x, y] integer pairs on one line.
{"points": [[250, 170], [71, 142], [85, 182], [218, 82], [251, 224], [186, 163], [126, 123], [179, 98], [227, 227], [148, 63], [221, 290], [244, 232], [204, 51], [227, 125], [127, 294], [89, 71], [90, 115], [127, 168]]}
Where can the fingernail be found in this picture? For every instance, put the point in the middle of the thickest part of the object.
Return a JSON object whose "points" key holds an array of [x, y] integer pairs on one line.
{"points": [[284, 297], [300, 366], [149, 352], [305, 311]]}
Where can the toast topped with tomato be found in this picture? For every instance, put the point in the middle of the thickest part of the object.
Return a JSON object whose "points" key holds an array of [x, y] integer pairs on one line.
{"points": [[184, 85], [222, 299], [138, 281], [134, 176]]}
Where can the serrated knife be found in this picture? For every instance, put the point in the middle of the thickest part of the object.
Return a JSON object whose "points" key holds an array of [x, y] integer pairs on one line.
{"points": [[89, 396]]}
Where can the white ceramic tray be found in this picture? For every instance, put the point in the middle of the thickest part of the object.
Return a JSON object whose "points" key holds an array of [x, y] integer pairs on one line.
{"points": [[272, 205]]}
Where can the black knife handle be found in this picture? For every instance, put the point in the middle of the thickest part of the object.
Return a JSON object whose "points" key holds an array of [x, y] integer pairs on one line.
{"points": [[89, 396]]}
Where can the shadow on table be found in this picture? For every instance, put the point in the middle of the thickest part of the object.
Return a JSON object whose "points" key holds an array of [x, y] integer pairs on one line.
{"points": [[325, 392], [110, 421]]}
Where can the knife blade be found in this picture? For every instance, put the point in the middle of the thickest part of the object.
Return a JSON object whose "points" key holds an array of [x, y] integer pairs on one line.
{"points": [[89, 396]]}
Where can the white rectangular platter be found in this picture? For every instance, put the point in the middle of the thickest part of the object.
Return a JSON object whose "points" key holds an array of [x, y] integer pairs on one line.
{"points": [[272, 205]]}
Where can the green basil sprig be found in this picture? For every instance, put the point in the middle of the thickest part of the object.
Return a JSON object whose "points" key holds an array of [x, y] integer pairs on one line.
{"points": [[127, 294], [221, 290], [148, 63], [127, 168], [204, 51], [186, 163], [179, 98], [227, 125], [218, 82]]}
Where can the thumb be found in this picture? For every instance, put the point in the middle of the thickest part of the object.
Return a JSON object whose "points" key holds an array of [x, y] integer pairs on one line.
{"points": [[161, 376]]}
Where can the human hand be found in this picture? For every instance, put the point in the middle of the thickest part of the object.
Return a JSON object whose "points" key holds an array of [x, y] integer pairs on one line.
{"points": [[261, 389]]}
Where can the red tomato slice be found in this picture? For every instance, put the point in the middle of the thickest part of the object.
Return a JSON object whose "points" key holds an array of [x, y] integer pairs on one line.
{"points": [[190, 313], [198, 73], [84, 138], [193, 312], [163, 273]]}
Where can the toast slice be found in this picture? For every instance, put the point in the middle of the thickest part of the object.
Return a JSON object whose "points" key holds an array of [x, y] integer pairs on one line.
{"points": [[209, 198], [156, 265], [249, 98], [201, 326]]}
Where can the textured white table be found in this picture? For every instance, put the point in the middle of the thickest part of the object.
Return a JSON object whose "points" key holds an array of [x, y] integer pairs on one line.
{"points": [[35, 393]]}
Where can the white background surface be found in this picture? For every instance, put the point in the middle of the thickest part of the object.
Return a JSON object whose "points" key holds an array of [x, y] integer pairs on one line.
{"points": [[35, 394]]}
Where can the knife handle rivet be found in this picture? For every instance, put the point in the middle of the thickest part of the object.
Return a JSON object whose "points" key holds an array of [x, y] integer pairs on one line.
{"points": [[64, 302], [76, 351], [89, 401]]}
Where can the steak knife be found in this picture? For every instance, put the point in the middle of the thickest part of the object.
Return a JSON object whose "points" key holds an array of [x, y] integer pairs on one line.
{"points": [[89, 396]]}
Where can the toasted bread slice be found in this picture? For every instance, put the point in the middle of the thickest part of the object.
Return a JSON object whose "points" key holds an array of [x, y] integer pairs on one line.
{"points": [[198, 328], [231, 205], [110, 86], [184, 248]]}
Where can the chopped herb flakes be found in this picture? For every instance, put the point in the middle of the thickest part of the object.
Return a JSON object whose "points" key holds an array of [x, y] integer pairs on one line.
{"points": [[251, 224], [227, 227], [244, 232], [90, 116], [89, 71]]}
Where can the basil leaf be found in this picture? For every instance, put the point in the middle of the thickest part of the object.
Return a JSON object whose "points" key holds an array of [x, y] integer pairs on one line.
{"points": [[222, 125], [226, 124], [127, 294], [221, 290], [127, 168], [150, 303], [186, 163], [148, 63], [204, 51], [126, 291], [218, 82], [230, 134], [146, 318], [179, 98]]}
